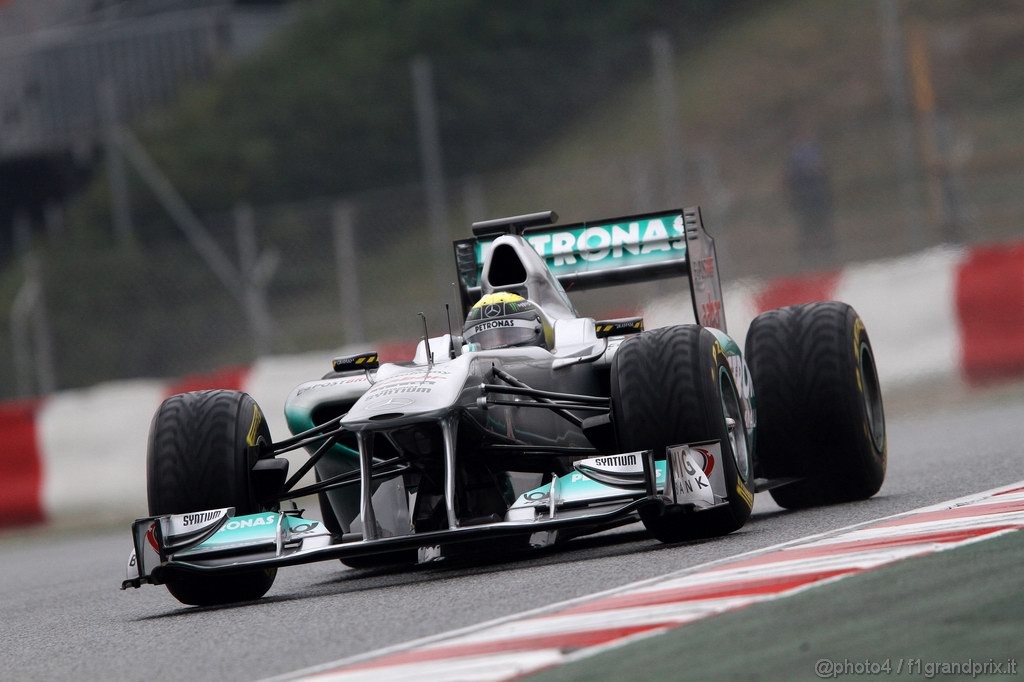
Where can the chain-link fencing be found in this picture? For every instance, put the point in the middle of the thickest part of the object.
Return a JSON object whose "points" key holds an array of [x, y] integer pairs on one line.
{"points": [[874, 130]]}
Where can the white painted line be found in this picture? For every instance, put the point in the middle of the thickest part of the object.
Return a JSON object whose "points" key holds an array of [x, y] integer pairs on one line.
{"points": [[564, 632]]}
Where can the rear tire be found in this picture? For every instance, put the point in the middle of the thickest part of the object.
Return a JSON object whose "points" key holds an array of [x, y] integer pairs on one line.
{"points": [[670, 386], [199, 458], [819, 404]]}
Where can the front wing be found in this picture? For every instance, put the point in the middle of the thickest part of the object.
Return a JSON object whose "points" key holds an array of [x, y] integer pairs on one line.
{"points": [[600, 493]]}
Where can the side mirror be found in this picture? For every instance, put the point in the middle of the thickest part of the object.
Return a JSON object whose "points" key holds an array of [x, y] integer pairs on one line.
{"points": [[352, 363], [619, 327]]}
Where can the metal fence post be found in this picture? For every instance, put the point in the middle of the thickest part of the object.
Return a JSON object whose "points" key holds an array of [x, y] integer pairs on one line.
{"points": [[944, 204], [46, 374], [713, 186], [429, 134], [473, 201], [347, 266], [120, 199], [21, 309], [641, 185], [255, 275], [663, 61], [31, 340], [21, 343], [894, 61], [53, 220]]}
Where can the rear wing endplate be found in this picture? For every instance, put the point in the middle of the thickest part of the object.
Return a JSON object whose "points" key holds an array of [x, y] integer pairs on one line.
{"points": [[601, 253]]}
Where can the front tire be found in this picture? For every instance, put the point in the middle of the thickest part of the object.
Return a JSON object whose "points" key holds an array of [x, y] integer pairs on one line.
{"points": [[820, 414], [200, 458], [671, 386]]}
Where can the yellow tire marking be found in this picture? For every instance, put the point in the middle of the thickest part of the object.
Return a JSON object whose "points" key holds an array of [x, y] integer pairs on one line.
{"points": [[745, 494], [254, 428], [858, 327]]}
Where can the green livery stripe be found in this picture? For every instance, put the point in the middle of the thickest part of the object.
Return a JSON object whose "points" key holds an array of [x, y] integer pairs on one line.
{"points": [[593, 247]]}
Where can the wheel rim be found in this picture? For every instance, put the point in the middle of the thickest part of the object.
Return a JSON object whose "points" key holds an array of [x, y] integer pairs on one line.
{"points": [[872, 396], [733, 410]]}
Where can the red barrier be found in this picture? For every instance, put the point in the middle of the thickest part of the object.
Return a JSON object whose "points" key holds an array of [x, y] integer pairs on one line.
{"points": [[394, 351], [21, 470], [232, 378], [794, 290], [990, 307]]}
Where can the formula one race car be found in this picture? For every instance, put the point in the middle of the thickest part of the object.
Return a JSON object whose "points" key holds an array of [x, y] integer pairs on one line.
{"points": [[532, 426]]}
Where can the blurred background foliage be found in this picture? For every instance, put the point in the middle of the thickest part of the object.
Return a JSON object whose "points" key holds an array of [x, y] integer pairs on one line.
{"points": [[326, 108], [540, 105]]}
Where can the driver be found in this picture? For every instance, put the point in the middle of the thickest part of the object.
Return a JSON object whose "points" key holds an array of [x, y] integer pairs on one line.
{"points": [[506, 320]]}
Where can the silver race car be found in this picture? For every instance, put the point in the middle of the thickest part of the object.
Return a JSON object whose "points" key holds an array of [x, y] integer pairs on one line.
{"points": [[528, 426]]}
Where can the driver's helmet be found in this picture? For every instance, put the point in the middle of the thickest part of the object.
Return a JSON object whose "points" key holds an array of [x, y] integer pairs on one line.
{"points": [[505, 320]]}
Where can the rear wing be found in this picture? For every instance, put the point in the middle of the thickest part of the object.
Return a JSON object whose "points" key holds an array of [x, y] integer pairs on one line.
{"points": [[601, 253]]}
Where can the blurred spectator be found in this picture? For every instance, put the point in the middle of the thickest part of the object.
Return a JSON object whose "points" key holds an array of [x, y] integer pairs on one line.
{"points": [[810, 195]]}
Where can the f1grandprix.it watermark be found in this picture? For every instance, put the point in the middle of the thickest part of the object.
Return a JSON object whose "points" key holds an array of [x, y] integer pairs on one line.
{"points": [[827, 668]]}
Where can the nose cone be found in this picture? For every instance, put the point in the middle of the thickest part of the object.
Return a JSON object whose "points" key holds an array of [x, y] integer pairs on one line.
{"points": [[409, 396]]}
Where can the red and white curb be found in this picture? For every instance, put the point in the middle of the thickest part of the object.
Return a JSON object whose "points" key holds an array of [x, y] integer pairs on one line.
{"points": [[947, 312], [544, 638]]}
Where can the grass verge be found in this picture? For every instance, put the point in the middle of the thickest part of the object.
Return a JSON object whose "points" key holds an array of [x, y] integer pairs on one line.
{"points": [[912, 617]]}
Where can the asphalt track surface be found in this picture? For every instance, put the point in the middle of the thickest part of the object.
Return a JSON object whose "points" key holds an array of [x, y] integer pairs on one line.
{"points": [[63, 617]]}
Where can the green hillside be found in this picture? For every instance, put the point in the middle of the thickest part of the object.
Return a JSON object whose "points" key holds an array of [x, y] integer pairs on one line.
{"points": [[549, 106]]}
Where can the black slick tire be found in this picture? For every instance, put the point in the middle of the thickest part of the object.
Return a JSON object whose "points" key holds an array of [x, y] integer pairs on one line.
{"points": [[670, 386], [199, 458], [819, 404]]}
